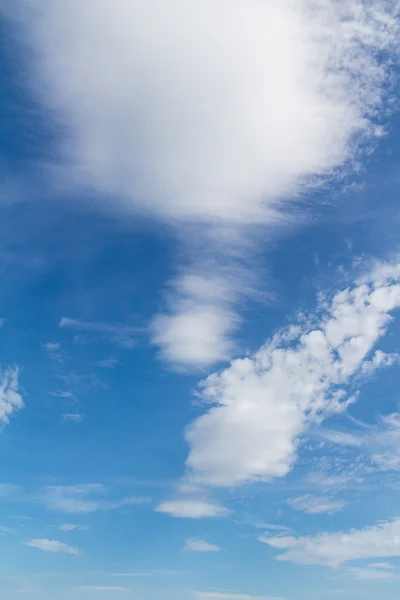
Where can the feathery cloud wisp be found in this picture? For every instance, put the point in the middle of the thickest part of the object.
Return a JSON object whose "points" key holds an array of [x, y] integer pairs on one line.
{"points": [[199, 545], [51, 546], [10, 396]]}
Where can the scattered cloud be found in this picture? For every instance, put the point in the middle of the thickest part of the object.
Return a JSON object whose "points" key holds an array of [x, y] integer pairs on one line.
{"points": [[380, 566], [270, 526], [6, 530], [103, 588], [119, 334], [191, 508], [333, 549], [225, 153], [8, 489], [315, 505], [10, 396], [230, 596], [372, 574], [55, 352], [107, 363], [72, 418], [51, 546], [62, 394], [150, 573], [379, 442], [199, 545], [68, 527]]}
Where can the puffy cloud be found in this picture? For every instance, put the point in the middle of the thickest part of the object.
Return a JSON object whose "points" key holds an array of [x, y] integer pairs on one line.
{"points": [[167, 112], [334, 549], [315, 505], [199, 545], [198, 329], [262, 404], [10, 396], [51, 546]]}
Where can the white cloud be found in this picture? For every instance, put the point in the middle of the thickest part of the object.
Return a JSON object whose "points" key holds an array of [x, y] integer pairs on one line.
{"points": [[191, 508], [262, 404], [85, 498], [51, 546], [10, 396], [119, 334], [334, 549], [68, 527], [315, 505], [199, 545], [230, 596], [165, 111]]}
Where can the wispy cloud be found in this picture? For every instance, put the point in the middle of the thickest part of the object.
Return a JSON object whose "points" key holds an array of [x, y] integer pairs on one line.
{"points": [[149, 573], [191, 508], [55, 351], [230, 596], [69, 527], [315, 505], [10, 395], [119, 334], [72, 418], [86, 498], [103, 588], [333, 549], [8, 489], [223, 152], [199, 545], [6, 530], [51, 546], [372, 573], [379, 442]]}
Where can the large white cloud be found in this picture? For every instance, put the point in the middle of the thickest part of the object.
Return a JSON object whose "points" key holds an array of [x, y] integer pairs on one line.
{"points": [[210, 111]]}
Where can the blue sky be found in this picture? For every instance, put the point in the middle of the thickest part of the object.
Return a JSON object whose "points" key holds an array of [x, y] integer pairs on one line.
{"points": [[200, 279]]}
